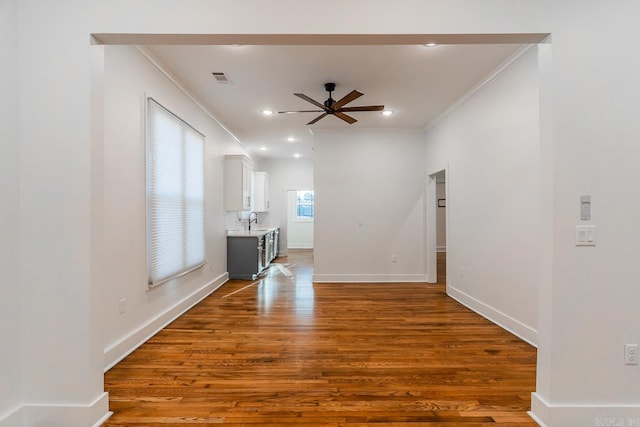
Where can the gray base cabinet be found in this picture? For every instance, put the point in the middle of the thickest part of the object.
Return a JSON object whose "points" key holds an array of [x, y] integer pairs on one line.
{"points": [[250, 252], [245, 257]]}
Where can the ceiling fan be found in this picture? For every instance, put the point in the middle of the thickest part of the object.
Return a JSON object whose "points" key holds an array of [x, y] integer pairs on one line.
{"points": [[333, 107]]}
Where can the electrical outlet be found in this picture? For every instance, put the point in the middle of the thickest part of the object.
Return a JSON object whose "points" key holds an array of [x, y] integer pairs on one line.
{"points": [[122, 306], [394, 258], [631, 354]]}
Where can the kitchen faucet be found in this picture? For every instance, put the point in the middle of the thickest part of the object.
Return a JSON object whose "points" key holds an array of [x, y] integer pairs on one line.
{"points": [[254, 220]]}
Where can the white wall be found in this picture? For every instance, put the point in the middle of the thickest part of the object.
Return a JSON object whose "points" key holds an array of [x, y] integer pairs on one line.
{"points": [[590, 131], [369, 194], [128, 77], [57, 318], [490, 145], [294, 174], [10, 317]]}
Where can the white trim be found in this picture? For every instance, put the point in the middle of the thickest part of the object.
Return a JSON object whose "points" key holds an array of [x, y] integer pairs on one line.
{"points": [[430, 223], [121, 349], [14, 418], [539, 410], [393, 130], [578, 415], [56, 414], [369, 278], [303, 220], [501, 319], [430, 229], [536, 419], [480, 85]]}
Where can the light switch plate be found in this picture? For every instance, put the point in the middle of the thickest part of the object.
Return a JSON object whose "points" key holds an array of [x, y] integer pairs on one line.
{"points": [[585, 208], [585, 235]]}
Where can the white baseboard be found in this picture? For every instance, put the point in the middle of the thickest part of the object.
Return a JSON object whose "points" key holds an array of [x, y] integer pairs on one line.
{"points": [[501, 319], [580, 415], [121, 349], [14, 418], [368, 278], [58, 415]]}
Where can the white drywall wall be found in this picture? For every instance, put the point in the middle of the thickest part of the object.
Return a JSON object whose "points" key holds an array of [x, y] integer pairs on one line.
{"points": [[369, 194], [59, 332], [590, 131], [128, 78], [10, 317], [491, 146]]}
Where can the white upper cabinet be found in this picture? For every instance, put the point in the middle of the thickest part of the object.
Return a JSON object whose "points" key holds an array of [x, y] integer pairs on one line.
{"points": [[261, 191], [238, 176]]}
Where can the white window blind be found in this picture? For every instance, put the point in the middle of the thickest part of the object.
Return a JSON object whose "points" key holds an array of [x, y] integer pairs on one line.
{"points": [[175, 192]]}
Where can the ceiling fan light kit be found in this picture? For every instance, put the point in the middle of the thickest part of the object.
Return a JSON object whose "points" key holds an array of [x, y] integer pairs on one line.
{"points": [[333, 107]]}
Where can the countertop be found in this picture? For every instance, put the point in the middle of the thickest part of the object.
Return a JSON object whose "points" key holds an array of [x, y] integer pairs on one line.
{"points": [[256, 232]]}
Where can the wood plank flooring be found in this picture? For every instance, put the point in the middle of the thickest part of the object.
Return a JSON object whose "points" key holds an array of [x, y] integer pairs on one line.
{"points": [[284, 351]]}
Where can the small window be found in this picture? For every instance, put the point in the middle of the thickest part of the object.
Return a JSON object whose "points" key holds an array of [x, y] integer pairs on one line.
{"points": [[175, 195], [304, 205]]}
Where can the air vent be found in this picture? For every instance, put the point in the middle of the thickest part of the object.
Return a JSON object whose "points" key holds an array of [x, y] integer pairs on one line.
{"points": [[221, 77]]}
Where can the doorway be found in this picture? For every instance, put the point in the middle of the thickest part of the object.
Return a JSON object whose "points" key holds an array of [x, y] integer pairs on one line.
{"points": [[436, 226], [300, 218]]}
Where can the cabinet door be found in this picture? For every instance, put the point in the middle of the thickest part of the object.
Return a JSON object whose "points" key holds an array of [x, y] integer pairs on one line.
{"points": [[237, 183], [246, 186], [267, 192], [261, 192]]}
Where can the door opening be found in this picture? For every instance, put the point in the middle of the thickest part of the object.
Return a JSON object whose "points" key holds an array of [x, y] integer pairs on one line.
{"points": [[300, 217], [436, 227]]}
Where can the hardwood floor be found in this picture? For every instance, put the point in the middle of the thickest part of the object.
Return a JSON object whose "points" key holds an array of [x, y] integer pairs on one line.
{"points": [[284, 351]]}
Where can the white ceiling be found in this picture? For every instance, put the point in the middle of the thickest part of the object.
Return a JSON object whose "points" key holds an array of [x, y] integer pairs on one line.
{"points": [[417, 82]]}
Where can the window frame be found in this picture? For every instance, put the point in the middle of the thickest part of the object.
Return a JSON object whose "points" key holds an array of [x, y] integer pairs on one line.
{"points": [[304, 218]]}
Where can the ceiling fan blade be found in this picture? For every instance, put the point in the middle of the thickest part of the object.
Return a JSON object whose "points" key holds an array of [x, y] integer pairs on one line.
{"points": [[353, 95], [363, 108], [313, 101], [344, 117], [317, 118], [301, 111]]}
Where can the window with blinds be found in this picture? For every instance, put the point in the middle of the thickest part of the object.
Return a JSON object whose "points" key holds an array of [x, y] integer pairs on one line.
{"points": [[175, 195]]}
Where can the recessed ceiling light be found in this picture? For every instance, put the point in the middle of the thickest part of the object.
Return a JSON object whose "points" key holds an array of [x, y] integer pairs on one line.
{"points": [[267, 112], [387, 112], [431, 44], [263, 148], [291, 139], [297, 155]]}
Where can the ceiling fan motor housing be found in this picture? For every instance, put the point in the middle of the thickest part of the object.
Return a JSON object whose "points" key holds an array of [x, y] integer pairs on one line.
{"points": [[329, 103]]}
